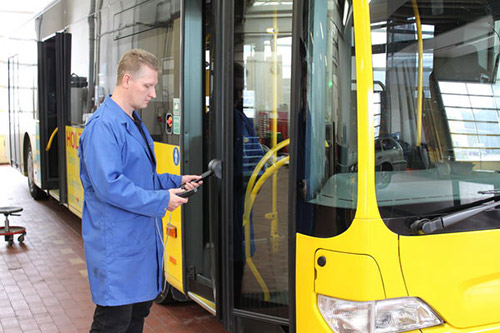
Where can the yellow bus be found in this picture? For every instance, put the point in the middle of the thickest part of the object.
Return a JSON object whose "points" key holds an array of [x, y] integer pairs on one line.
{"points": [[359, 143]]}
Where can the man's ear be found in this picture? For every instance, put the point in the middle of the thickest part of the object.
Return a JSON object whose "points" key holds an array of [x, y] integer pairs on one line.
{"points": [[126, 80]]}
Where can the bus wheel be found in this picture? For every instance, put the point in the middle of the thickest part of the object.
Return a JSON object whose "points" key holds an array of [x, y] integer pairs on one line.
{"points": [[35, 191]]}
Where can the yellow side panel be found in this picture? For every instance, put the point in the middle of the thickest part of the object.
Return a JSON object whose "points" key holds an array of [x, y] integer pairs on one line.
{"points": [[457, 274], [348, 276], [166, 156], [377, 248], [308, 317], [75, 189]]}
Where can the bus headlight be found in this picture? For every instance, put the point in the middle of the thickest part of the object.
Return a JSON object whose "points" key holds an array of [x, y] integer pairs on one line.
{"points": [[390, 315]]}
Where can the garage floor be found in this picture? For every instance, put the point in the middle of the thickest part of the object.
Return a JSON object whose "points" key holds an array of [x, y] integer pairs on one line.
{"points": [[43, 282]]}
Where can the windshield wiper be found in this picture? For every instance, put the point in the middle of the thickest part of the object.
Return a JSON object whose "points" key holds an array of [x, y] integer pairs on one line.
{"points": [[427, 226], [495, 191]]}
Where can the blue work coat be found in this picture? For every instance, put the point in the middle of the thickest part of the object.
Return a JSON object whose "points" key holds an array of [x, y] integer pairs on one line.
{"points": [[124, 202]]}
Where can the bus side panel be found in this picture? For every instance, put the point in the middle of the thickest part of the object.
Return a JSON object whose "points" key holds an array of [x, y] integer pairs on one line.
{"points": [[308, 317], [366, 247], [168, 160], [356, 270], [74, 185], [458, 274]]}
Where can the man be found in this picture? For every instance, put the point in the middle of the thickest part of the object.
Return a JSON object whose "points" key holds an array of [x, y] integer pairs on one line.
{"points": [[125, 200]]}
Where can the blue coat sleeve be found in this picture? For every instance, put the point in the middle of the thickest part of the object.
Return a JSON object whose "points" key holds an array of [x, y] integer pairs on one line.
{"points": [[168, 181], [102, 159]]}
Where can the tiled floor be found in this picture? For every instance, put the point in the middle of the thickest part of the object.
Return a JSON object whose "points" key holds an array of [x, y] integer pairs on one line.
{"points": [[43, 282]]}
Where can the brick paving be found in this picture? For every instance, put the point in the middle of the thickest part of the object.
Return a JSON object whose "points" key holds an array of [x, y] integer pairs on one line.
{"points": [[43, 281]]}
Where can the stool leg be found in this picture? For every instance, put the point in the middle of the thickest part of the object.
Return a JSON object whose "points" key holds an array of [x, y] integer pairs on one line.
{"points": [[8, 238]]}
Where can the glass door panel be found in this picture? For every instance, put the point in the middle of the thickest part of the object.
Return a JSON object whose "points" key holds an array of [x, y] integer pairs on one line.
{"points": [[261, 106]]}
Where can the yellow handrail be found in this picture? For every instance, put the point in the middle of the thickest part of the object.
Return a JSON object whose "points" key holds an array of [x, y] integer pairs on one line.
{"points": [[248, 208], [250, 195], [260, 165], [49, 144], [246, 222], [273, 216], [252, 190], [263, 161], [420, 72]]}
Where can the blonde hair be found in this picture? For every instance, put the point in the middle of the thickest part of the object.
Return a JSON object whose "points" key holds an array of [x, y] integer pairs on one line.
{"points": [[132, 61]]}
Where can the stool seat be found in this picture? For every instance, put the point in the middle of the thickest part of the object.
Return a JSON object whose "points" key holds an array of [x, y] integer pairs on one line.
{"points": [[8, 231], [10, 210]]}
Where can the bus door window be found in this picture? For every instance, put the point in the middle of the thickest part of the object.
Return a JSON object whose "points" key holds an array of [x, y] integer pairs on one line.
{"points": [[262, 74]]}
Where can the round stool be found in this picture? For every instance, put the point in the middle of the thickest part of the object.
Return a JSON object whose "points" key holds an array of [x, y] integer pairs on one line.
{"points": [[10, 230]]}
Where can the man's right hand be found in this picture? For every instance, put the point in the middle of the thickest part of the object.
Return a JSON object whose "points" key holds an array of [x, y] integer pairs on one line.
{"points": [[175, 200]]}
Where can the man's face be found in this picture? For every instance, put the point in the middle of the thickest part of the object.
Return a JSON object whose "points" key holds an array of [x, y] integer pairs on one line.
{"points": [[141, 87]]}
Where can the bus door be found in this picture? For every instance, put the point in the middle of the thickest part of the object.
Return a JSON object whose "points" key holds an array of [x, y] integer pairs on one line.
{"points": [[252, 87], [199, 222], [14, 139], [54, 60]]}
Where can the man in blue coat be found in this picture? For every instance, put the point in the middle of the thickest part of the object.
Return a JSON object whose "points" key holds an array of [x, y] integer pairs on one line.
{"points": [[125, 200]]}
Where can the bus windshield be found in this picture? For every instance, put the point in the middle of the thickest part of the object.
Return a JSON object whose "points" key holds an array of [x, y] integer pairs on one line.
{"points": [[437, 129], [436, 113]]}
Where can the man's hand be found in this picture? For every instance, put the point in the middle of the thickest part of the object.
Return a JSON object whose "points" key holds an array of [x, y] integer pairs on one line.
{"points": [[175, 201], [188, 182]]}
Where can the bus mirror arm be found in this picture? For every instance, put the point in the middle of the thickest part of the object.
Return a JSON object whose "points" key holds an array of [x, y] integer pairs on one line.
{"points": [[426, 226]]}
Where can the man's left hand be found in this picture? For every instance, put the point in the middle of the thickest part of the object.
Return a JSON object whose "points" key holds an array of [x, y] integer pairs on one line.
{"points": [[188, 182]]}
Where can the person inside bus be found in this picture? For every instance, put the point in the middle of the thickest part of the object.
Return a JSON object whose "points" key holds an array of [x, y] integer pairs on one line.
{"points": [[125, 200], [247, 153]]}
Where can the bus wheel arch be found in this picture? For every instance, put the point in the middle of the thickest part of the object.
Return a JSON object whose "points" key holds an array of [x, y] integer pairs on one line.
{"points": [[28, 170], [169, 295], [165, 297]]}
